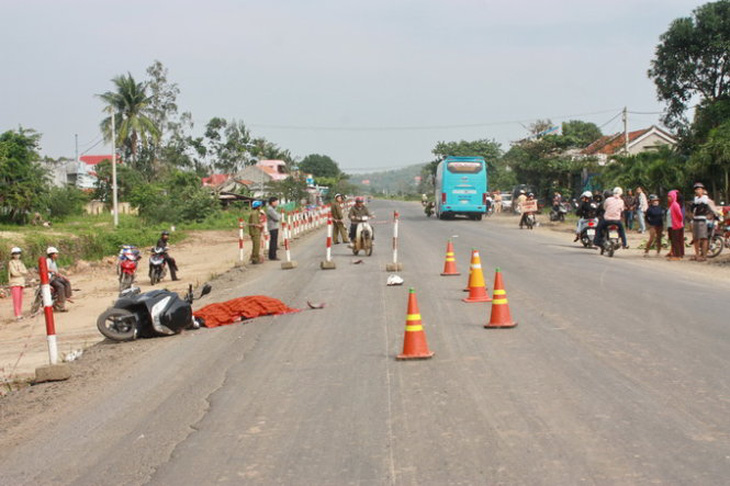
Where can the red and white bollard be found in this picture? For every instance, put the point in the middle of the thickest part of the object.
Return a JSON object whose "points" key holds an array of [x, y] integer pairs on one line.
{"points": [[328, 264], [395, 266], [240, 240], [48, 311], [54, 371], [288, 264]]}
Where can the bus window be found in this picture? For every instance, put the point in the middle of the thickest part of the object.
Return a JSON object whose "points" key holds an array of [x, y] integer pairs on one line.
{"points": [[464, 167]]}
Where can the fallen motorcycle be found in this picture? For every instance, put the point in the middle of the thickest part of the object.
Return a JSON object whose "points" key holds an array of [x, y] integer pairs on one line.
{"points": [[150, 314]]}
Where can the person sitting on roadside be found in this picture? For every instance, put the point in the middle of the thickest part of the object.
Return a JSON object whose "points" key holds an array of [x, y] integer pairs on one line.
{"points": [[57, 280], [613, 207]]}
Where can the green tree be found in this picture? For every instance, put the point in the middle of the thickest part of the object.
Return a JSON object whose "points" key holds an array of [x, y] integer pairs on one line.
{"points": [[127, 179], [226, 146], [23, 181], [579, 134], [319, 166], [489, 149], [693, 60], [711, 162], [131, 105], [657, 171], [63, 202]]}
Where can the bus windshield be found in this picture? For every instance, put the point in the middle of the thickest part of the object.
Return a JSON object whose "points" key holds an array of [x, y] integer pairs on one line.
{"points": [[464, 167]]}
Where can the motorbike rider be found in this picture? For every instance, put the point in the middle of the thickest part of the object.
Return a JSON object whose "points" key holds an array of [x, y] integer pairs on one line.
{"points": [[357, 212], [424, 199], [525, 214], [613, 208], [557, 201], [587, 209], [58, 281], [163, 242]]}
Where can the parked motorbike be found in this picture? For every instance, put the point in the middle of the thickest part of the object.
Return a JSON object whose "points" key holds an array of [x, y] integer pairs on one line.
{"points": [[428, 209], [127, 266], [557, 213], [158, 266], [37, 304], [612, 241], [363, 237], [719, 239], [530, 220], [150, 314], [589, 232]]}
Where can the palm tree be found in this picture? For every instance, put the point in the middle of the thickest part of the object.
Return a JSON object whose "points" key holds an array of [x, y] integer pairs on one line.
{"points": [[130, 104]]}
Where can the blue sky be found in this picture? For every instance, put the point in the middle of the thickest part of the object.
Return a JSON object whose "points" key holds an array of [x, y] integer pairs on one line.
{"points": [[373, 84]]}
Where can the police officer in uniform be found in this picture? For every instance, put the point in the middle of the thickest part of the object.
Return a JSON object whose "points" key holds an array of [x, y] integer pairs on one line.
{"points": [[338, 216], [255, 226]]}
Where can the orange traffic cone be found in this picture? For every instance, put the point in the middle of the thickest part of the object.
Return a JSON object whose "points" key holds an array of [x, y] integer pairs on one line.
{"points": [[501, 316], [477, 287], [468, 280], [414, 342], [450, 263]]}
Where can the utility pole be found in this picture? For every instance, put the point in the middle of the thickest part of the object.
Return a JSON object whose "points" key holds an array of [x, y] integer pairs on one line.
{"points": [[626, 129], [78, 162], [115, 205]]}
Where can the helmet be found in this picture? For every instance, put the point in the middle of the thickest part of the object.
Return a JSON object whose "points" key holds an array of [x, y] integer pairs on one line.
{"points": [[338, 195], [51, 249], [530, 195], [256, 204], [522, 191], [587, 194], [653, 197], [698, 185], [15, 249], [165, 233], [359, 199], [617, 191]]}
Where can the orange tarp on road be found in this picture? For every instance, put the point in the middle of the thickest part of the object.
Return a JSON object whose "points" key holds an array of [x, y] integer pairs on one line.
{"points": [[241, 308]]}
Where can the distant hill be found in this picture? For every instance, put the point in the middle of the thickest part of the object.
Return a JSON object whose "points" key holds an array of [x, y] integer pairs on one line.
{"points": [[396, 181]]}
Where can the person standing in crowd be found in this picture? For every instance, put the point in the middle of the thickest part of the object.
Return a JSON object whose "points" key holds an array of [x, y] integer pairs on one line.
{"points": [[338, 220], [629, 209], [675, 226], [255, 227], [272, 224], [16, 280], [641, 208], [655, 218], [700, 213]]}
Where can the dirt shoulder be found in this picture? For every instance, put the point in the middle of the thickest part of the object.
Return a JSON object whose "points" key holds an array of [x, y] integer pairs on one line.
{"points": [[23, 347]]}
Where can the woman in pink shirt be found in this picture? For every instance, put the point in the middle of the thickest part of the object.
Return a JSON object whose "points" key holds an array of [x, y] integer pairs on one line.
{"points": [[676, 228]]}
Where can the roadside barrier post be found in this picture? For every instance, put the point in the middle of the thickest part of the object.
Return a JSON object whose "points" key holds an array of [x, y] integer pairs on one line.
{"points": [[288, 264], [395, 266], [240, 240], [54, 371], [328, 264]]}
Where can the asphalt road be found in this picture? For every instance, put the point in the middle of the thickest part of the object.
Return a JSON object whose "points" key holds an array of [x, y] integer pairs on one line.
{"points": [[617, 374]]}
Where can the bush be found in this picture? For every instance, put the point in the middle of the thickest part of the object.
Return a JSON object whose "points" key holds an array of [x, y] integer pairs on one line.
{"points": [[63, 202]]}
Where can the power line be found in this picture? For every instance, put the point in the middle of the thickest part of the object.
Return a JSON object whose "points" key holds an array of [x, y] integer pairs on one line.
{"points": [[419, 127]]}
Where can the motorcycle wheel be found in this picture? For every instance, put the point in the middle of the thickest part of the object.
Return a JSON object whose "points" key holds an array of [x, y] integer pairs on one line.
{"points": [[610, 251], [154, 278], [36, 305], [125, 281], [586, 241], [715, 246], [117, 324], [369, 248]]}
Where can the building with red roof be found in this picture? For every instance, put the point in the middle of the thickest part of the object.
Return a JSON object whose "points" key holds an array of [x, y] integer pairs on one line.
{"points": [[638, 141]]}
